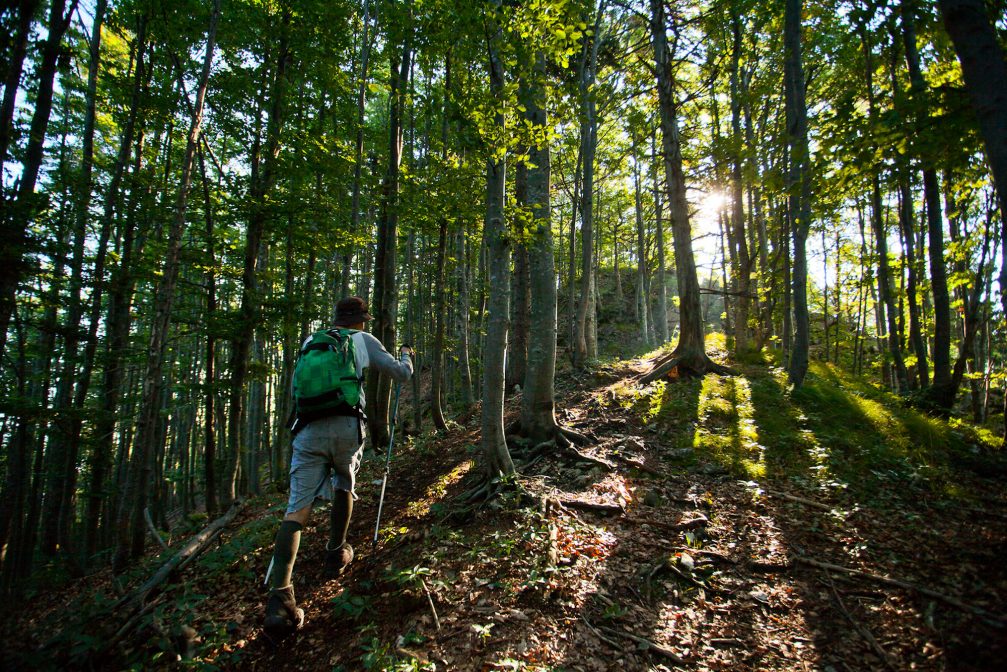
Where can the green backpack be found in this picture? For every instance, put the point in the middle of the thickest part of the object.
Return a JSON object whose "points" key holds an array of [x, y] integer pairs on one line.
{"points": [[325, 377]]}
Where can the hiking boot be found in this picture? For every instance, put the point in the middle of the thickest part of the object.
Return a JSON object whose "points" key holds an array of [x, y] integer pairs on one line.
{"points": [[336, 560], [282, 615]]}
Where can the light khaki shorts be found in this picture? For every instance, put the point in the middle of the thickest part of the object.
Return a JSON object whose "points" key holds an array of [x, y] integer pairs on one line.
{"points": [[326, 457]]}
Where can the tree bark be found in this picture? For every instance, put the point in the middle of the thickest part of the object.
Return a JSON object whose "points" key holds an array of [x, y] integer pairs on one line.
{"points": [[935, 227], [250, 300], [16, 217], [589, 145], [62, 476], [496, 457], [689, 356], [641, 252], [742, 261], [129, 521], [885, 287], [385, 304], [799, 185]]}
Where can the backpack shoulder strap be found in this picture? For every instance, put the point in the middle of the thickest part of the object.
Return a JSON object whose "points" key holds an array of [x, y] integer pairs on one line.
{"points": [[360, 352]]}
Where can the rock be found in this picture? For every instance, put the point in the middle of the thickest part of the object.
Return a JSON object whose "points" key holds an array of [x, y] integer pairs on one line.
{"points": [[652, 498]]}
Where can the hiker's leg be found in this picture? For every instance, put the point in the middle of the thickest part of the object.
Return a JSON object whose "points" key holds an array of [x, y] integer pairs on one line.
{"points": [[288, 538], [342, 510], [346, 452], [309, 480]]}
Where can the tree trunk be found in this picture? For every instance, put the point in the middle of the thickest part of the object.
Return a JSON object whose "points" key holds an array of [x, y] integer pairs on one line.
{"points": [[366, 41], [984, 68], [885, 287], [62, 477], [799, 183], [742, 261], [16, 217], [589, 145], [689, 355], [517, 351], [130, 523], [250, 300], [384, 306], [496, 457], [935, 228], [641, 253]]}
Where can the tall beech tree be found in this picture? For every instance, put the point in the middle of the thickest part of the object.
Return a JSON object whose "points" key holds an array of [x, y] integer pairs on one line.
{"points": [[689, 355]]}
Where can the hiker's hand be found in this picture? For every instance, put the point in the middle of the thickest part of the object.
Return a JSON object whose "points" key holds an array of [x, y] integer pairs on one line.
{"points": [[406, 350]]}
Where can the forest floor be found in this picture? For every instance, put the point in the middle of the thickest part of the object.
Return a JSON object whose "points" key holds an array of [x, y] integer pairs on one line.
{"points": [[725, 523]]}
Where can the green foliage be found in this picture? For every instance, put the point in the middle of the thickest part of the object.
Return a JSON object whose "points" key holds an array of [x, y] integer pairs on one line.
{"points": [[383, 657], [349, 605]]}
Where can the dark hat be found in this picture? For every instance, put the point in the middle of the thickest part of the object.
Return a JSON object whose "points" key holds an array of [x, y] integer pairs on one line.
{"points": [[351, 310]]}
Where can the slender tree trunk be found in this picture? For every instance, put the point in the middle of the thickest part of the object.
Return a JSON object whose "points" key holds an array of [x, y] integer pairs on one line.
{"points": [[589, 145], [641, 255], [26, 10], [16, 217], [935, 230], [130, 522], [984, 66], [799, 182], [885, 286], [743, 265], [538, 404], [384, 306], [62, 476], [689, 355], [250, 300], [366, 41], [440, 298], [517, 351], [463, 330]]}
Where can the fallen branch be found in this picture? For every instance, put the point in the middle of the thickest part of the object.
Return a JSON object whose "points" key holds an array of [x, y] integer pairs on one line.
{"points": [[862, 630], [947, 599], [646, 644], [153, 530], [633, 464], [195, 545], [573, 453], [592, 506], [708, 553], [683, 525], [600, 636], [430, 599]]}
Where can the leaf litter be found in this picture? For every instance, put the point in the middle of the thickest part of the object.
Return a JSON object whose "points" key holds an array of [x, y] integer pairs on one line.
{"points": [[693, 566]]}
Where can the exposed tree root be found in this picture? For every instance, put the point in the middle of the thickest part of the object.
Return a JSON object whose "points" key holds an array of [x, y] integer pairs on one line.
{"points": [[680, 365]]}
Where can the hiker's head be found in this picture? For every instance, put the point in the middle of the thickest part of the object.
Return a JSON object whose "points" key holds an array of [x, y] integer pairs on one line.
{"points": [[352, 312]]}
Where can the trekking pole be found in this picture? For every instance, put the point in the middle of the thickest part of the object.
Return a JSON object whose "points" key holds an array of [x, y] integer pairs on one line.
{"points": [[388, 461]]}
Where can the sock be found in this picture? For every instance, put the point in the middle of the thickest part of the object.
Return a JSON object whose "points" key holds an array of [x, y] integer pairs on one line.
{"points": [[342, 509], [284, 553]]}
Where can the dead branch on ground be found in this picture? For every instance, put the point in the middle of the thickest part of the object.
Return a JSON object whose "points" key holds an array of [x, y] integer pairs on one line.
{"points": [[991, 619]]}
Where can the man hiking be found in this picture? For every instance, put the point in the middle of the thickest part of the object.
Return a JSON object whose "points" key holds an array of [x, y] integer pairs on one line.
{"points": [[328, 435]]}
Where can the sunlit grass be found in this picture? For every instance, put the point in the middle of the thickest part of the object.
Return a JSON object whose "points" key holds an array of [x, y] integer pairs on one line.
{"points": [[726, 427], [436, 491]]}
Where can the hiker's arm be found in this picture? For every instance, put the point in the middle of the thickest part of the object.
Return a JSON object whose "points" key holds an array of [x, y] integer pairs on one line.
{"points": [[398, 369]]}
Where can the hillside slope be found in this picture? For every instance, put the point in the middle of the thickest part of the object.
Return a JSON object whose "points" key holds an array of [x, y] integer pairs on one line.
{"points": [[716, 524]]}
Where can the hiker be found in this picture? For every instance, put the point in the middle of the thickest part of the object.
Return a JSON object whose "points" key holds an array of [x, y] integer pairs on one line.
{"points": [[327, 436]]}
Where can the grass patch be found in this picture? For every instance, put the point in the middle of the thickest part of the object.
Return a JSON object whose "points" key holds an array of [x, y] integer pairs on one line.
{"points": [[837, 431]]}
